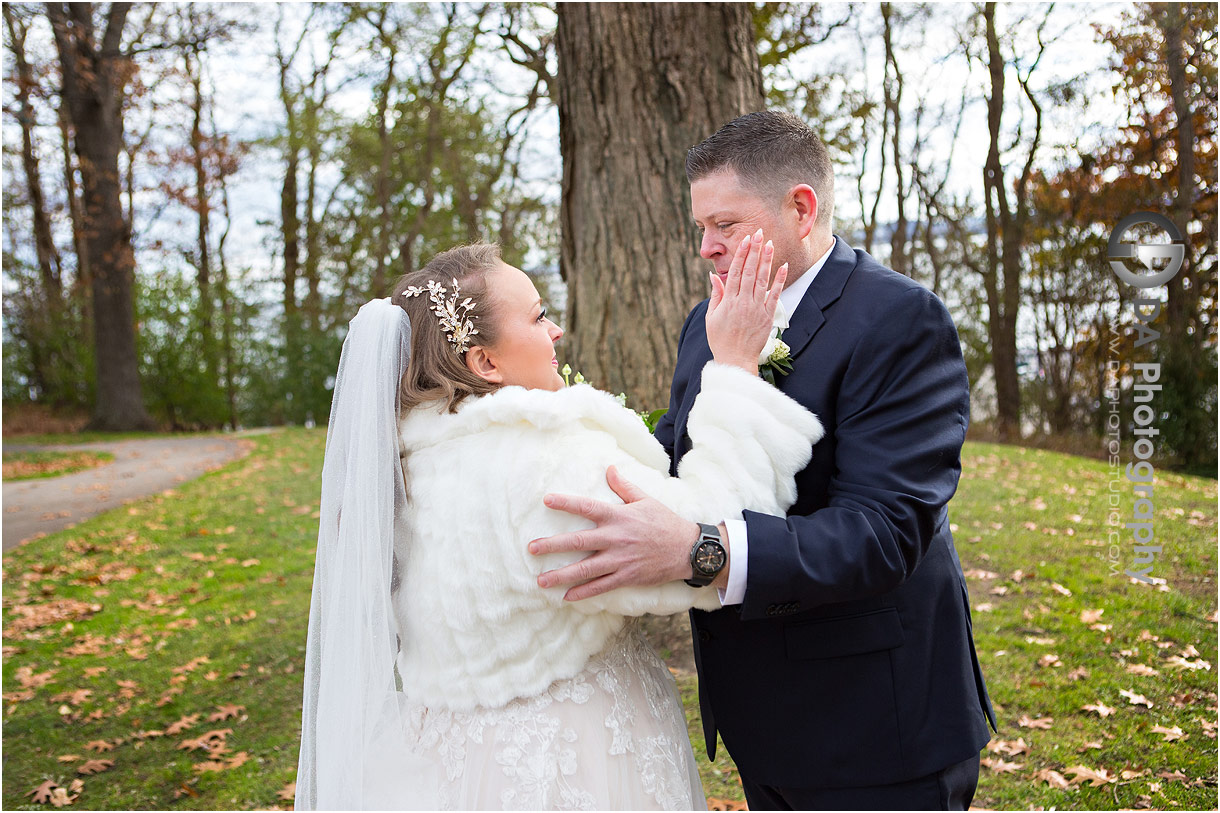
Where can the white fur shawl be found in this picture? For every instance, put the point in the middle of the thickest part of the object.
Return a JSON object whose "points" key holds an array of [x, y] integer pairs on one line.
{"points": [[475, 628]]}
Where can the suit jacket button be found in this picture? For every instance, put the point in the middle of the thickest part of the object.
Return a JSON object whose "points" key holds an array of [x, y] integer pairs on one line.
{"points": [[704, 636]]}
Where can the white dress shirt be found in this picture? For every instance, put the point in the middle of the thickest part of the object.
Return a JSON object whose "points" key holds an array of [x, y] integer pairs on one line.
{"points": [[738, 541]]}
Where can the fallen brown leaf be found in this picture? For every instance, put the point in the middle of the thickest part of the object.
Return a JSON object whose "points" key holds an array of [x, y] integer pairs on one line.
{"points": [[182, 724], [1135, 699], [168, 697], [1178, 662], [61, 798], [73, 696], [1000, 766], [1101, 709], [29, 679], [1010, 747], [1095, 778], [191, 665], [288, 793], [42, 793], [1052, 778], [210, 765], [144, 735], [99, 745], [225, 712], [1035, 722], [95, 766], [1170, 734]]}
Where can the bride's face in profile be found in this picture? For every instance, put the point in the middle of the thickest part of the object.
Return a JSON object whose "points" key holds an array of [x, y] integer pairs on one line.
{"points": [[524, 352]]}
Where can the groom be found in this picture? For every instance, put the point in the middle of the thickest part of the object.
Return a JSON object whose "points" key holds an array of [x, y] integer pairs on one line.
{"points": [[840, 672]]}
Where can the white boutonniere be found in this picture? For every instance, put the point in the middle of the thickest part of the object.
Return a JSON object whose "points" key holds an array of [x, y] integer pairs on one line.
{"points": [[775, 356]]}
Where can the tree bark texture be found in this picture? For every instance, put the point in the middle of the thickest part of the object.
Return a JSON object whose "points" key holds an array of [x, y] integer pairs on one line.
{"points": [[1000, 279], [44, 245], [193, 68], [638, 85], [94, 75], [893, 106], [1183, 290]]}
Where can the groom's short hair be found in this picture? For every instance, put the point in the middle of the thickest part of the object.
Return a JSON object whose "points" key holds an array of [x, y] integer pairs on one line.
{"points": [[770, 152]]}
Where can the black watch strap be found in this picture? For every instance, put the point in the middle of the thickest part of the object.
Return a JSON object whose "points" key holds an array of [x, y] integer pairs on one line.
{"points": [[707, 557]]}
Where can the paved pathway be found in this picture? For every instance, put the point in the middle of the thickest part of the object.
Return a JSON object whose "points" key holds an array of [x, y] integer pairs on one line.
{"points": [[141, 467]]}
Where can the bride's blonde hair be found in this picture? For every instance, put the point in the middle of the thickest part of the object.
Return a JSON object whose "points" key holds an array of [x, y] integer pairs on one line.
{"points": [[437, 370]]}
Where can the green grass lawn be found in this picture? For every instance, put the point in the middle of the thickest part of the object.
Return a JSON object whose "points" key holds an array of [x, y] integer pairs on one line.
{"points": [[126, 635], [35, 465]]}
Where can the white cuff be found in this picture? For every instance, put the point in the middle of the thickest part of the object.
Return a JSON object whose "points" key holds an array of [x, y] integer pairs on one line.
{"points": [[737, 543]]}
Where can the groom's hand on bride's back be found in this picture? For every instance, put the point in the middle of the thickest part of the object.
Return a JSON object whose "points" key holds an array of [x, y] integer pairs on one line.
{"points": [[640, 542]]}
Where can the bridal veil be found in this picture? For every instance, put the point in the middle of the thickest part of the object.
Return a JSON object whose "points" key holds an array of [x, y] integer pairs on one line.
{"points": [[355, 752]]}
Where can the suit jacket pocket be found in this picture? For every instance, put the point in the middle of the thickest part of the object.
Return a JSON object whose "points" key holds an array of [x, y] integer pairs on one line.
{"points": [[845, 635]]}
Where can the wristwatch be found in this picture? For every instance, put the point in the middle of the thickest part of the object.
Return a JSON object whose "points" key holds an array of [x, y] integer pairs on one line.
{"points": [[707, 556]]}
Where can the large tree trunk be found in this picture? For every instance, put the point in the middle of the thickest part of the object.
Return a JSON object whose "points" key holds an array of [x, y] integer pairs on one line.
{"points": [[93, 81], [638, 85]]}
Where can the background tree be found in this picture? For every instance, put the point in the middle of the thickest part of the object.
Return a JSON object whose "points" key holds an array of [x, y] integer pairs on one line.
{"points": [[639, 84], [39, 308], [401, 129], [1164, 71], [94, 73], [1006, 224]]}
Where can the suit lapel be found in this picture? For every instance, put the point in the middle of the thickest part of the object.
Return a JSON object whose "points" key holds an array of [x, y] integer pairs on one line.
{"points": [[827, 287]]}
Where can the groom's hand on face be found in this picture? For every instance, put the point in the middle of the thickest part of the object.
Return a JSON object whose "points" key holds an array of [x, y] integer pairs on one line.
{"points": [[638, 543]]}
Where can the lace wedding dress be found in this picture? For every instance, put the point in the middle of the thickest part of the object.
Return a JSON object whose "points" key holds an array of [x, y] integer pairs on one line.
{"points": [[612, 737]]}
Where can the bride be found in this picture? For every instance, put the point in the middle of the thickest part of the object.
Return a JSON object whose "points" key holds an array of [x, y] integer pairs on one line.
{"points": [[438, 674]]}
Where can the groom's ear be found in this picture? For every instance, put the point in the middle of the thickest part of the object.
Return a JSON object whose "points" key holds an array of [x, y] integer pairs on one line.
{"points": [[482, 364], [804, 207]]}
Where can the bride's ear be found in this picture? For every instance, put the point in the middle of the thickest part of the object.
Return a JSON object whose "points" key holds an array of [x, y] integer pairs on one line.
{"points": [[481, 363]]}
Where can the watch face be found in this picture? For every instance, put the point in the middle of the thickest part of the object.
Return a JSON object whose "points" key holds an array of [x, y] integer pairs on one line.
{"points": [[709, 559]]}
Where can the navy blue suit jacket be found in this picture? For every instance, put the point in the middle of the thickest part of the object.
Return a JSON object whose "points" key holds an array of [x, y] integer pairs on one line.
{"points": [[850, 662]]}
